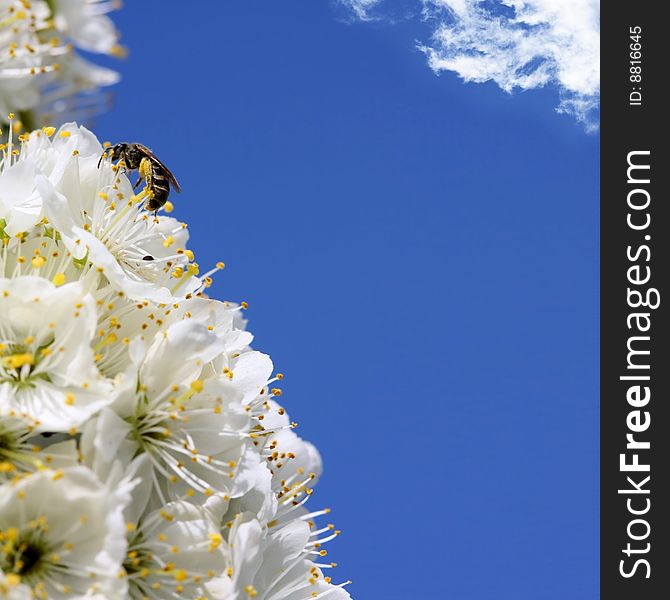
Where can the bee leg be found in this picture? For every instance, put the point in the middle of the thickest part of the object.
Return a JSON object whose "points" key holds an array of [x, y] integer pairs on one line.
{"points": [[137, 182]]}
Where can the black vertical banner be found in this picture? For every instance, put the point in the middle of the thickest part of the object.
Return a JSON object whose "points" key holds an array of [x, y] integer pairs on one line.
{"points": [[635, 296]]}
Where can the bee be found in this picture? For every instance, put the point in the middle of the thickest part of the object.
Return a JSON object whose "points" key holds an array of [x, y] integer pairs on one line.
{"points": [[156, 175]]}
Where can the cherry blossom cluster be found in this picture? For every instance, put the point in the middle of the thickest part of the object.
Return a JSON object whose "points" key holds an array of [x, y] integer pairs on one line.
{"points": [[143, 449]]}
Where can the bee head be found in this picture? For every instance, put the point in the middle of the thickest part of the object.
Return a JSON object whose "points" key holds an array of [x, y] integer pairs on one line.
{"points": [[114, 152], [130, 154], [118, 150]]}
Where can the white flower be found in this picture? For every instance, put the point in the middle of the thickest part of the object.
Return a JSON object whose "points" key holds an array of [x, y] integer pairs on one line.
{"points": [[176, 549], [21, 204], [47, 373], [173, 549], [195, 431], [22, 451], [23, 55], [289, 456], [277, 557], [86, 23], [100, 221], [273, 563], [63, 534], [38, 67], [121, 320]]}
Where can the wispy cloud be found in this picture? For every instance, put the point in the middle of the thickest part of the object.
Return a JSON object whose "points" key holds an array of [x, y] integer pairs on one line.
{"points": [[518, 44], [523, 44], [361, 8]]}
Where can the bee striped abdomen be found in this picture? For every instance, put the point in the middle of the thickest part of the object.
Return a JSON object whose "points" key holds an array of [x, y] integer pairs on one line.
{"points": [[160, 186]]}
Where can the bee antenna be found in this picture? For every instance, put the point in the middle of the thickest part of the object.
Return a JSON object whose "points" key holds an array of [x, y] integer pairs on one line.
{"points": [[111, 149]]}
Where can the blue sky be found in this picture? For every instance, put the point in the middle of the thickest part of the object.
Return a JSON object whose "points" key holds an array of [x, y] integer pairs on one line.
{"points": [[420, 256]]}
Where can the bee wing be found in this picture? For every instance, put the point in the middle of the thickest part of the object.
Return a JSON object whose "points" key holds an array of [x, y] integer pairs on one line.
{"points": [[149, 154]]}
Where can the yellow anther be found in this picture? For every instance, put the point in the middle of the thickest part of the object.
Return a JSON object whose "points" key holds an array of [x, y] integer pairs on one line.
{"points": [[189, 254], [244, 305], [168, 207], [251, 591], [118, 51], [180, 574], [215, 541], [11, 580], [65, 134], [193, 268], [103, 195], [69, 399], [168, 241], [49, 131], [16, 361], [38, 261], [220, 265], [197, 385]]}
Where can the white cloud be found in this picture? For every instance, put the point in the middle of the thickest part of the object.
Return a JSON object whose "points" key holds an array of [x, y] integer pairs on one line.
{"points": [[523, 44], [361, 8], [518, 44]]}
